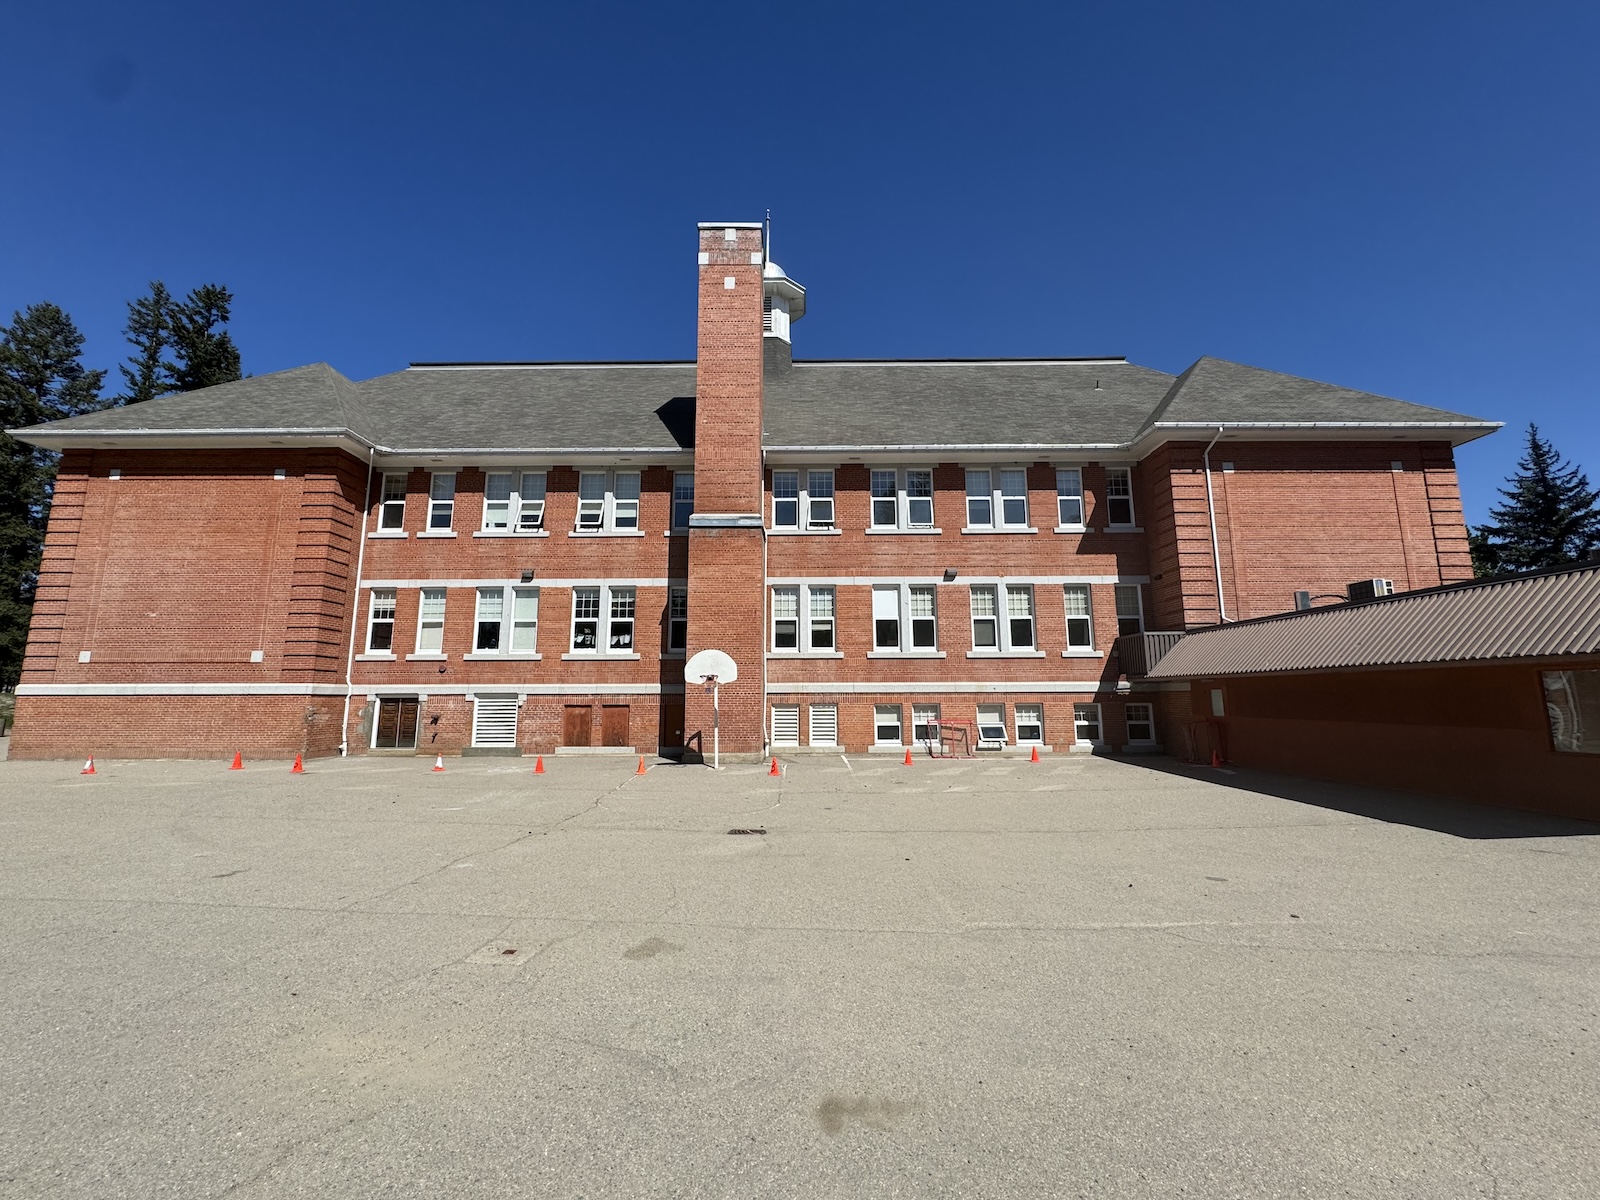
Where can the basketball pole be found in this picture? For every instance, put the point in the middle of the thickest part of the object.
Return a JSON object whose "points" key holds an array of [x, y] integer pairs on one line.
{"points": [[716, 726]]}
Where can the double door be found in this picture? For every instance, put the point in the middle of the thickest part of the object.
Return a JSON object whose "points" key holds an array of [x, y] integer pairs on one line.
{"points": [[577, 725], [397, 724]]}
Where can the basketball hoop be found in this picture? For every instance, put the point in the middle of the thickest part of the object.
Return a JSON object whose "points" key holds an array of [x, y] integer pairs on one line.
{"points": [[712, 668]]}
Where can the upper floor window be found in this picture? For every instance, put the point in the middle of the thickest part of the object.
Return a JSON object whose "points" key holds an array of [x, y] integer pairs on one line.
{"points": [[1069, 497], [1080, 617], [507, 620], [992, 630], [380, 621], [997, 499], [442, 500], [392, 506], [430, 621], [1130, 609], [796, 507], [802, 619], [603, 619], [1119, 496], [677, 618], [513, 501], [903, 618], [682, 498], [608, 501], [902, 499]]}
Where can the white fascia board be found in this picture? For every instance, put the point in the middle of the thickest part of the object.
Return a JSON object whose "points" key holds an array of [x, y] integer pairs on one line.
{"points": [[891, 688], [950, 452], [729, 225], [688, 364], [1455, 432], [168, 439], [181, 689]]}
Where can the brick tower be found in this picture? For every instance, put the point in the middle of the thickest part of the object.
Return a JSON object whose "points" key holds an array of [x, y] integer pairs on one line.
{"points": [[727, 579]]}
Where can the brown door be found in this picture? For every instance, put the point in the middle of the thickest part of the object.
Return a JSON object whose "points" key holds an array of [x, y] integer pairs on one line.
{"points": [[406, 734], [397, 725], [671, 722], [614, 725], [575, 725]]}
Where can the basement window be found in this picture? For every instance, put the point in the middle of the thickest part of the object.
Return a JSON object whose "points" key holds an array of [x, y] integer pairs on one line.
{"points": [[1572, 704]]}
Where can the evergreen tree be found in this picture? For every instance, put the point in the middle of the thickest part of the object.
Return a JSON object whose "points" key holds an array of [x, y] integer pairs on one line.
{"points": [[205, 351], [41, 379], [149, 330], [1551, 516]]}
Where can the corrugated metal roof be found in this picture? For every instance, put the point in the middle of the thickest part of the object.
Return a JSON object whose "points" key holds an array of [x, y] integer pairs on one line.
{"points": [[1534, 616]]}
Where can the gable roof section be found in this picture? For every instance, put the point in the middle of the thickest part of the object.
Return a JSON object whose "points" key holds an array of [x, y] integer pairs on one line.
{"points": [[1531, 616], [1000, 405]]}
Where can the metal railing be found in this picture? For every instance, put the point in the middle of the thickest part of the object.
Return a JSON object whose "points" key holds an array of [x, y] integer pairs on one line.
{"points": [[1140, 652]]}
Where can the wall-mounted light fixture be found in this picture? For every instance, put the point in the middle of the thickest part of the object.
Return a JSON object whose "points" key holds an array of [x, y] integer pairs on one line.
{"points": [[527, 575], [949, 574]]}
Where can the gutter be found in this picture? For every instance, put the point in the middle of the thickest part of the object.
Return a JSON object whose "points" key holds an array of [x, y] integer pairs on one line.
{"points": [[1211, 512]]}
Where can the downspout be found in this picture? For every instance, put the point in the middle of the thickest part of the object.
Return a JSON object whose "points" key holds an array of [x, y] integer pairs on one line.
{"points": [[355, 600], [766, 625], [1211, 512]]}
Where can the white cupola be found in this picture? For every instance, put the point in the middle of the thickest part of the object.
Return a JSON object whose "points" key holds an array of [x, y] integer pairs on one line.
{"points": [[783, 301]]}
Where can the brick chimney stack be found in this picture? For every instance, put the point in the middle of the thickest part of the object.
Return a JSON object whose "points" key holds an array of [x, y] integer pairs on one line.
{"points": [[727, 577]]}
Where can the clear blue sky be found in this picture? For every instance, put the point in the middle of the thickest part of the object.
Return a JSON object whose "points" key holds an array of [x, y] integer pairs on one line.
{"points": [[1396, 197]]}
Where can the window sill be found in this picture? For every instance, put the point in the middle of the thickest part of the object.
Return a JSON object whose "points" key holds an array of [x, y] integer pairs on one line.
{"points": [[918, 531], [511, 533], [805, 532], [387, 533], [438, 533], [605, 533], [1083, 654], [905, 654], [1006, 654], [1123, 529], [589, 656], [999, 529], [1072, 529], [497, 656], [427, 658], [783, 654], [375, 658]]}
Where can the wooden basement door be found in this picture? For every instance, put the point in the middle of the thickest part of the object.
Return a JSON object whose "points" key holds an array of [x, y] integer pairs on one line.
{"points": [[614, 725], [397, 724], [575, 722]]}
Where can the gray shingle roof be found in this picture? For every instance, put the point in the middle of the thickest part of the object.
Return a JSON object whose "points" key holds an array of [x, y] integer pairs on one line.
{"points": [[649, 406], [1534, 616]]}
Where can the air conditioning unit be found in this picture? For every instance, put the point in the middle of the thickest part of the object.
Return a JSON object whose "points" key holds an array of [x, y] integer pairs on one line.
{"points": [[1369, 589]]}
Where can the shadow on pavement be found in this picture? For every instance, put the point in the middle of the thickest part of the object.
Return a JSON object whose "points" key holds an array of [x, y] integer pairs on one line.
{"points": [[1455, 817]]}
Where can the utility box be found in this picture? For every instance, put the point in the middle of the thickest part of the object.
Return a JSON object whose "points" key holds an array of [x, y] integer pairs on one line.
{"points": [[1369, 589]]}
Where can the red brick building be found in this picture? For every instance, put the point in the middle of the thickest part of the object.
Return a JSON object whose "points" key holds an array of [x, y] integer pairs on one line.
{"points": [[520, 556]]}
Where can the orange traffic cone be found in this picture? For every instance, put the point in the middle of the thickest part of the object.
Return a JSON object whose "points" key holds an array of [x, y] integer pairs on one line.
{"points": [[641, 769], [297, 769], [438, 762], [1034, 757], [774, 770], [238, 762], [1216, 758], [88, 767], [538, 765], [907, 762]]}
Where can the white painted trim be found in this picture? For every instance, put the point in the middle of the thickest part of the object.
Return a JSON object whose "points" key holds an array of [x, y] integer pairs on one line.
{"points": [[880, 688], [366, 584], [181, 689], [867, 580], [555, 366]]}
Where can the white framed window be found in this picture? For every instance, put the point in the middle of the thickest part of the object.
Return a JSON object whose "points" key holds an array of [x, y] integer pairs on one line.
{"points": [[490, 617], [1141, 724], [985, 617], [1086, 723], [1119, 496], [903, 618], [603, 619], [886, 618], [997, 498], [1080, 617], [1130, 609], [682, 498], [1069, 498], [380, 621], [819, 499], [1000, 632], [1030, 723], [925, 724], [392, 505], [524, 620], [1019, 616], [430, 621], [902, 499], [786, 499], [991, 726], [785, 724], [803, 500], [442, 500], [608, 501], [824, 725], [677, 619], [802, 619], [513, 500], [886, 725]]}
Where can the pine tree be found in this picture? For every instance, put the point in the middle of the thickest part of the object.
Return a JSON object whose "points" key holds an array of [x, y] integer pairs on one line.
{"points": [[149, 330], [205, 351], [41, 379], [1551, 516]]}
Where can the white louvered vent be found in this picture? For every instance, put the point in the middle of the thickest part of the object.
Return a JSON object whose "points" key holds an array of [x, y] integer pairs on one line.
{"points": [[785, 724], [824, 725], [494, 721]]}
